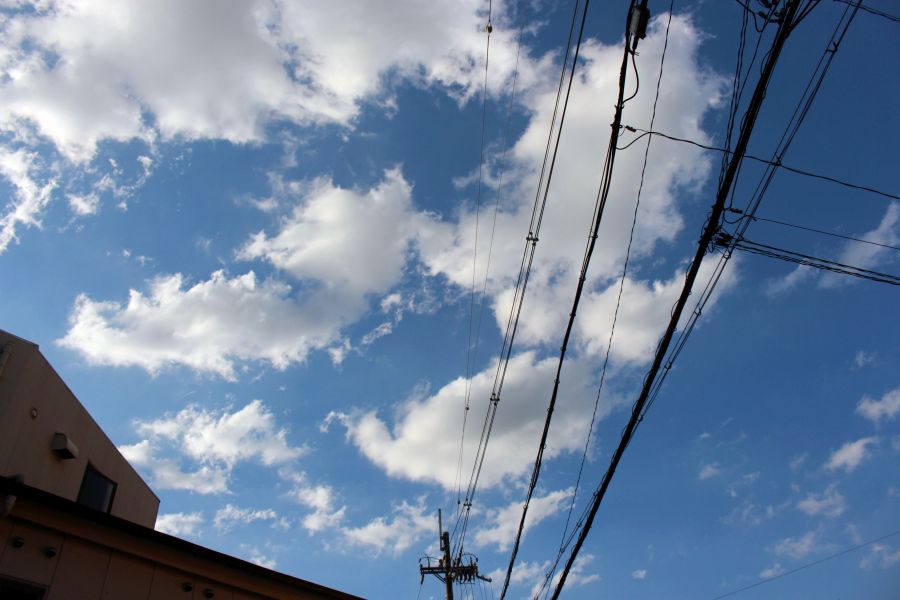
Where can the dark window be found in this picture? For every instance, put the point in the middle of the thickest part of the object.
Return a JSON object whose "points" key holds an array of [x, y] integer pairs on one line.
{"points": [[13, 590], [97, 491]]}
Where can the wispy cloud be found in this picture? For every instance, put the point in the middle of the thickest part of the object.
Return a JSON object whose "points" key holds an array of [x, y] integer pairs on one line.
{"points": [[849, 456], [829, 503], [887, 408]]}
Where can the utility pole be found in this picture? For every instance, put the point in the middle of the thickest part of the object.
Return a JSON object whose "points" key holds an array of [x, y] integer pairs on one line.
{"points": [[447, 568]]}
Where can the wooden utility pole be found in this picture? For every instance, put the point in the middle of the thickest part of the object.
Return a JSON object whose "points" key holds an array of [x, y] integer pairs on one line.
{"points": [[447, 568]]}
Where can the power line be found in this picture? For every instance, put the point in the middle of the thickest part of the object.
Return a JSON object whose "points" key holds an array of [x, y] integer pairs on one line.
{"points": [[710, 229], [873, 11], [797, 118], [599, 206], [469, 359], [807, 260], [531, 240], [775, 163], [808, 565], [829, 233], [563, 541]]}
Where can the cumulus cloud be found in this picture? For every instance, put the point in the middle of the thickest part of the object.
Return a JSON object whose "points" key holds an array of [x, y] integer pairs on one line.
{"points": [[213, 442], [501, 524], [341, 245], [875, 410], [851, 455], [407, 525], [354, 243], [319, 497], [830, 503], [446, 245], [79, 73], [418, 446], [639, 574], [179, 524]]}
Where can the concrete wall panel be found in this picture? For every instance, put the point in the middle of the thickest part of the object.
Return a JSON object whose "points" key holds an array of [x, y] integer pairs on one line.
{"points": [[80, 573], [30, 562]]}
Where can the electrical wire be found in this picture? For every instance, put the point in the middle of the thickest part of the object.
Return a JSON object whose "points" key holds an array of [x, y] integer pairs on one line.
{"points": [[812, 261], [531, 240], [710, 229], [773, 163], [807, 565], [797, 118], [469, 359], [873, 11], [599, 206], [563, 543], [829, 233]]}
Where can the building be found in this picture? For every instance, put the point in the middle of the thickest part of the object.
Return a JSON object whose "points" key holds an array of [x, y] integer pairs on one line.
{"points": [[76, 519]]}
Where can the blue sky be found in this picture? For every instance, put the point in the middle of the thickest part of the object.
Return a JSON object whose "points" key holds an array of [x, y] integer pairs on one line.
{"points": [[244, 237]]}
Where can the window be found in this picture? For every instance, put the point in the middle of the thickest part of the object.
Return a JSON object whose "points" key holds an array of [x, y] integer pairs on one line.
{"points": [[97, 491]]}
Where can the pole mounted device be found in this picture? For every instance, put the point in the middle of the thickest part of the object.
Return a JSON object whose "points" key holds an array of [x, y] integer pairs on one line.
{"points": [[463, 568]]}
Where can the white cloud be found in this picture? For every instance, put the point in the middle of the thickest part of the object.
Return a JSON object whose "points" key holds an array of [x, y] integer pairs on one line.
{"points": [[866, 256], [353, 242], [179, 524], [798, 460], [407, 525], [773, 571], [862, 359], [523, 572], [79, 73], [83, 205], [880, 556], [750, 513], [213, 442], [229, 515], [446, 246], [30, 198], [423, 442], [226, 437], [830, 503], [709, 471], [167, 473], [887, 408], [255, 556], [320, 498], [639, 574], [501, 524], [576, 576], [851, 455], [798, 548], [342, 245]]}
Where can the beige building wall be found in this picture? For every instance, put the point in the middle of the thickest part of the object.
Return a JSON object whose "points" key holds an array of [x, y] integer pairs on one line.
{"points": [[60, 551], [35, 404], [54, 548]]}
